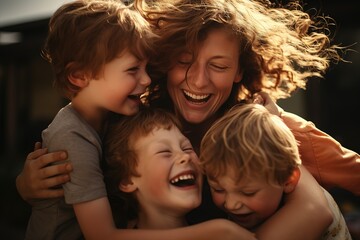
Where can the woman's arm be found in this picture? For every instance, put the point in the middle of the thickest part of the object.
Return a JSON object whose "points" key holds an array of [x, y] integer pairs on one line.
{"points": [[37, 178], [330, 163], [305, 214]]}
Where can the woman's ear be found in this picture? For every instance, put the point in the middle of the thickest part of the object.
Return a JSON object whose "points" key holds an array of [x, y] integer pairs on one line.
{"points": [[239, 76], [127, 186], [79, 79], [292, 181]]}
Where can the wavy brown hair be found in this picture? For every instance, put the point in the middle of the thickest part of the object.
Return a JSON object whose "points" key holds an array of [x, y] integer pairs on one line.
{"points": [[281, 46]]}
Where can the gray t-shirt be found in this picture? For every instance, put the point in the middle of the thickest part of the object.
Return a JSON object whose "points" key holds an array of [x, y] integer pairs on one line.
{"points": [[55, 218]]}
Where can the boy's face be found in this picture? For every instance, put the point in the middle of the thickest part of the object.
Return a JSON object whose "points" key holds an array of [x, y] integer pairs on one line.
{"points": [[118, 86], [170, 179], [249, 201]]}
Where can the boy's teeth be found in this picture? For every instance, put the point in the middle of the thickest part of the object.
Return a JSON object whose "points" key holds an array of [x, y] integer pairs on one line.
{"points": [[182, 177]]}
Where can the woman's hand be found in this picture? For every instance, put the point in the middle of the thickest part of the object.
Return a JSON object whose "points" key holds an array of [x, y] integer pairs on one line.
{"points": [[264, 99], [39, 178]]}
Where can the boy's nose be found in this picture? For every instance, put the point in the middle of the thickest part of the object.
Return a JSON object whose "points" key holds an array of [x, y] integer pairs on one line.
{"points": [[183, 158], [145, 79], [232, 203]]}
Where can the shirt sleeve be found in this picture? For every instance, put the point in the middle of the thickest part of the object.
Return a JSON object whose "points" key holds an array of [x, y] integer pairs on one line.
{"points": [[84, 152], [330, 163]]}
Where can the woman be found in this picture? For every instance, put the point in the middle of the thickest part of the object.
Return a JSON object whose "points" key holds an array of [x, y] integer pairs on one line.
{"points": [[213, 55], [276, 52]]}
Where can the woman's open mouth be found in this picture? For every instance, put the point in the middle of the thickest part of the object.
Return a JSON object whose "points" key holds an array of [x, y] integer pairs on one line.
{"points": [[196, 98]]}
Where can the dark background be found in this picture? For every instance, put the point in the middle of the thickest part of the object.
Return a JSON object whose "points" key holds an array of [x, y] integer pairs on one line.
{"points": [[28, 103]]}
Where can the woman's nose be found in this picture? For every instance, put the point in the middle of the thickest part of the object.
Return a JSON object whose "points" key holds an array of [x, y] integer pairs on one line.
{"points": [[198, 75]]}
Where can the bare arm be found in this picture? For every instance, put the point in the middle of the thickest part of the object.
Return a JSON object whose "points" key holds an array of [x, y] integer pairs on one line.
{"points": [[95, 220], [37, 178], [305, 214]]}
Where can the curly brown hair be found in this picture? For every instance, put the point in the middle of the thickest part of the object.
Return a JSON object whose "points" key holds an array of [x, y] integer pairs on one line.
{"points": [[281, 46]]}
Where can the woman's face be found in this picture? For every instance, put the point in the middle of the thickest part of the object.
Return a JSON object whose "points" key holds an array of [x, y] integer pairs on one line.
{"points": [[200, 92]]}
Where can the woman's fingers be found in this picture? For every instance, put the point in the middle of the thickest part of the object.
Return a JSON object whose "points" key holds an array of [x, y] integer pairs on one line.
{"points": [[43, 173], [40, 159], [36, 153], [37, 146], [50, 193], [55, 175], [264, 99]]}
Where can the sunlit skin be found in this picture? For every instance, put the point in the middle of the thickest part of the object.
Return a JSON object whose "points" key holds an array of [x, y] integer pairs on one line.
{"points": [[248, 201], [117, 88], [210, 78], [165, 156]]}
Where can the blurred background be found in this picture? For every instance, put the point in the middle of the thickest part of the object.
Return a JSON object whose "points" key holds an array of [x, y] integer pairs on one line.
{"points": [[28, 101]]}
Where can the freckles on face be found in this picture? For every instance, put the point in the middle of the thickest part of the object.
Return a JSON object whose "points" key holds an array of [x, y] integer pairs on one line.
{"points": [[199, 87], [166, 155]]}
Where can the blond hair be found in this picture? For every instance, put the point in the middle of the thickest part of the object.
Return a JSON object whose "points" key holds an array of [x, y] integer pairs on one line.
{"points": [[253, 142]]}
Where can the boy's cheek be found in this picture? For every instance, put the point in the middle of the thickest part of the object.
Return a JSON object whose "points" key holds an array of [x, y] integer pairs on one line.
{"points": [[218, 199]]}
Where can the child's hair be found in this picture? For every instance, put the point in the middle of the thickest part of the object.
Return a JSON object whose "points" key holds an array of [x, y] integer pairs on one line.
{"points": [[281, 46], [120, 157], [84, 35], [253, 141]]}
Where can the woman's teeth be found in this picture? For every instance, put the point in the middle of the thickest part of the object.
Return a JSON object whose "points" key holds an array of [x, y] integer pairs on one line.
{"points": [[196, 98]]}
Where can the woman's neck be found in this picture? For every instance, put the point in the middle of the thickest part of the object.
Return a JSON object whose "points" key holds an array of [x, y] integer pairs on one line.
{"points": [[196, 131]]}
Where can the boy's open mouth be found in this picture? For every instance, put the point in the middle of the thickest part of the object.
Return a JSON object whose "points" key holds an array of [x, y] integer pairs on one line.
{"points": [[184, 180]]}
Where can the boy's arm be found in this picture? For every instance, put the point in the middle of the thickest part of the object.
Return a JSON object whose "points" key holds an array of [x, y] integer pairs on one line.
{"points": [[305, 214], [95, 220]]}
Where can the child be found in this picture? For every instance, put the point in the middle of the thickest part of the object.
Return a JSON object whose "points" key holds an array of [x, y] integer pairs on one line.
{"points": [[98, 50], [153, 176], [251, 160], [152, 168]]}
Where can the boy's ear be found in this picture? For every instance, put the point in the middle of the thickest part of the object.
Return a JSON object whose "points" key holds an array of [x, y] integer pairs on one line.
{"points": [[127, 186], [292, 181], [79, 78]]}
